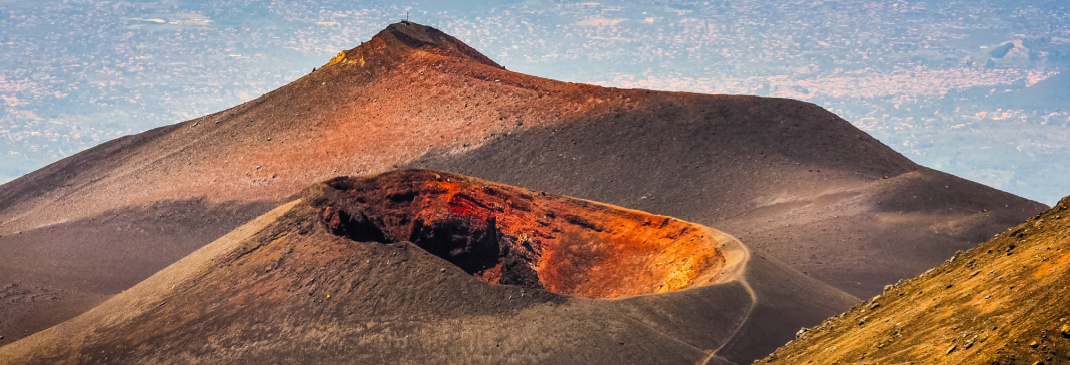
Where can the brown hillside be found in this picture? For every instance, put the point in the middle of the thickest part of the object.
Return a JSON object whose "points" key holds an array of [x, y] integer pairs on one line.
{"points": [[332, 276], [1003, 302], [789, 178]]}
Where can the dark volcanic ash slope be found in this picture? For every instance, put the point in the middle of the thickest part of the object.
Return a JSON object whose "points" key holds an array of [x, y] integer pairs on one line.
{"points": [[402, 267], [789, 178], [1003, 302]]}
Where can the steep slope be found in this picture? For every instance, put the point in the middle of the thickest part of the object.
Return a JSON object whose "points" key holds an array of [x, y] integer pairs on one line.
{"points": [[793, 180], [402, 267], [1003, 302]]}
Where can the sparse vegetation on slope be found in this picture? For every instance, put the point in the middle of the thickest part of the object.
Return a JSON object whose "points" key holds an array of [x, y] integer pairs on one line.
{"points": [[1003, 302]]}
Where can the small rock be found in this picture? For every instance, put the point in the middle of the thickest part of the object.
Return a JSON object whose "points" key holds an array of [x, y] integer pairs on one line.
{"points": [[442, 270], [952, 348], [1034, 344], [1065, 330]]}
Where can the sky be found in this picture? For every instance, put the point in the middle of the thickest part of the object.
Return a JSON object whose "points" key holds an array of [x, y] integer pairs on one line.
{"points": [[973, 88]]}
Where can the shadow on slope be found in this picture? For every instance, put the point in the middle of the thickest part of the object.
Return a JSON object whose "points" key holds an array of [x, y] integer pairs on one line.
{"points": [[83, 262]]}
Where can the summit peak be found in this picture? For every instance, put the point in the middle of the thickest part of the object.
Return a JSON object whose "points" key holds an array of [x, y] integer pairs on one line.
{"points": [[408, 36]]}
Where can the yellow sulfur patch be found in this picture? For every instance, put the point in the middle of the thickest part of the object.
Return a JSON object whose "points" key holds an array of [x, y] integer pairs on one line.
{"points": [[339, 58]]}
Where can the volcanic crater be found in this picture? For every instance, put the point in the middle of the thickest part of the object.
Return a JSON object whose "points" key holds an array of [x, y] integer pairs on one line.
{"points": [[507, 235]]}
